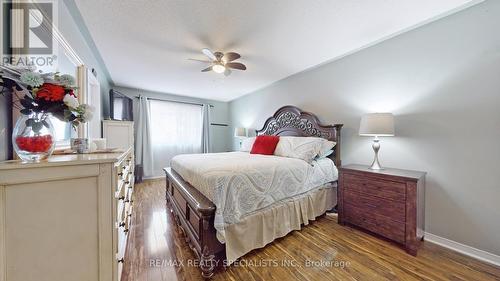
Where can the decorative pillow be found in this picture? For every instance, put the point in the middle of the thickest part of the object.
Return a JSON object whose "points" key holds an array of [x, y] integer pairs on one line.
{"points": [[265, 145], [305, 148], [246, 144], [326, 149]]}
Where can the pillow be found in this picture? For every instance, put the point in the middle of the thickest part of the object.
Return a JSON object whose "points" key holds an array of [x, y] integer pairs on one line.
{"points": [[326, 149], [305, 148], [265, 145], [324, 155], [246, 144]]}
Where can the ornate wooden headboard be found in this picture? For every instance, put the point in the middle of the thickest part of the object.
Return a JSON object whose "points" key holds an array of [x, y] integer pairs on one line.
{"points": [[292, 121]]}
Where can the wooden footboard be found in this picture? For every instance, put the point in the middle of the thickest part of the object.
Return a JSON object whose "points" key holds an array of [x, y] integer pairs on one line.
{"points": [[194, 213]]}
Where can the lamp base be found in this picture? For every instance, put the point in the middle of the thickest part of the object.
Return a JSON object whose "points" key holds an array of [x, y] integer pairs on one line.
{"points": [[376, 146]]}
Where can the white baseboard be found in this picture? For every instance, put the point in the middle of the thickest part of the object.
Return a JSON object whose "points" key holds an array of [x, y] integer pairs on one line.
{"points": [[464, 249]]}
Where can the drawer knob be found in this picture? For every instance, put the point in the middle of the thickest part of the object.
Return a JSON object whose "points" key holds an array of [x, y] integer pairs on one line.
{"points": [[121, 224], [125, 230], [120, 174], [121, 197], [120, 260]]}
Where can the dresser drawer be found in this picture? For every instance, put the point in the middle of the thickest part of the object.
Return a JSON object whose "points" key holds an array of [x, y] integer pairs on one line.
{"points": [[122, 245], [394, 210], [120, 211], [375, 223], [370, 186]]}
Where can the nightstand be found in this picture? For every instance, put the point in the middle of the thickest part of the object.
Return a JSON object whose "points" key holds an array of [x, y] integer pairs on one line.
{"points": [[389, 203]]}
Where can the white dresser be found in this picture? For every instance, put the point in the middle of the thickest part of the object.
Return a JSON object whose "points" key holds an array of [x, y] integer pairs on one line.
{"points": [[67, 218]]}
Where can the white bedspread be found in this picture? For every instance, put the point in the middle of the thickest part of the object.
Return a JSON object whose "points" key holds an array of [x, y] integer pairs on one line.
{"points": [[239, 183]]}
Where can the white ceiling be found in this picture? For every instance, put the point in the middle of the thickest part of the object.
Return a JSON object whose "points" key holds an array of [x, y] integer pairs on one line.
{"points": [[146, 44]]}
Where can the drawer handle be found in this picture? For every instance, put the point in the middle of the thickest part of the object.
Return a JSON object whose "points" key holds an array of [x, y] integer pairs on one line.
{"points": [[121, 224], [120, 260], [121, 197], [127, 182], [120, 174], [129, 215], [125, 230], [126, 201], [130, 187]]}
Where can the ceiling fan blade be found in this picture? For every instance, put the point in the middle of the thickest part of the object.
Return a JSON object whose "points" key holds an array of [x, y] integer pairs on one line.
{"points": [[209, 54], [205, 61], [236, 65], [230, 56], [207, 69], [227, 72]]}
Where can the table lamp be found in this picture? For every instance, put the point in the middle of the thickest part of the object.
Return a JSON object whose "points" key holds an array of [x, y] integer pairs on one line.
{"points": [[240, 133], [376, 125]]}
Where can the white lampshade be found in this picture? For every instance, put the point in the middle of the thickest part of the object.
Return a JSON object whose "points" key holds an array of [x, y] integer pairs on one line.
{"points": [[377, 124], [240, 132]]}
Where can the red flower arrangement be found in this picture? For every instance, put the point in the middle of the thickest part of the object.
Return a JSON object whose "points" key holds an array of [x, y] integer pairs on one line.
{"points": [[44, 95], [51, 92]]}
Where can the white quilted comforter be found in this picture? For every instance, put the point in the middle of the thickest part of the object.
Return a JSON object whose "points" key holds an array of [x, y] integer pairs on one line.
{"points": [[239, 183]]}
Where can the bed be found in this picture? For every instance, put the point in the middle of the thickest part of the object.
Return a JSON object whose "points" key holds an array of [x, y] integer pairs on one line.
{"points": [[228, 204]]}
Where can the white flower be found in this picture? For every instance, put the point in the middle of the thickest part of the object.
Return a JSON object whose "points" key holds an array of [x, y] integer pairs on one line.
{"points": [[86, 112], [32, 79], [71, 101], [87, 116], [66, 80]]}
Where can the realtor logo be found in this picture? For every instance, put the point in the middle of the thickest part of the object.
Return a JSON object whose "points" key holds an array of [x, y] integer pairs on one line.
{"points": [[27, 29], [30, 27]]}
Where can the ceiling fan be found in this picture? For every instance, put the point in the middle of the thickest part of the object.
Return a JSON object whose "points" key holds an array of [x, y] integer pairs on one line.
{"points": [[220, 62]]}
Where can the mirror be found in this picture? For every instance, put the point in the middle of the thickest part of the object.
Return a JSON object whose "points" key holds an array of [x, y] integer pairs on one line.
{"points": [[66, 62]]}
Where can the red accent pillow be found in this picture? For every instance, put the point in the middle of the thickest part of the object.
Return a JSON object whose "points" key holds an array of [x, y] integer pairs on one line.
{"points": [[265, 145]]}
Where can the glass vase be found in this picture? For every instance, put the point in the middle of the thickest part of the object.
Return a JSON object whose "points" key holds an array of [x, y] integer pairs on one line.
{"points": [[33, 137]]}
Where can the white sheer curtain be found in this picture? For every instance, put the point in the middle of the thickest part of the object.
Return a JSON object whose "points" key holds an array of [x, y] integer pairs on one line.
{"points": [[143, 147], [176, 129], [206, 129]]}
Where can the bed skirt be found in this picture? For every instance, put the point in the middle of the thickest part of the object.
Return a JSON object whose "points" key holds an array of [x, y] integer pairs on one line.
{"points": [[264, 226]]}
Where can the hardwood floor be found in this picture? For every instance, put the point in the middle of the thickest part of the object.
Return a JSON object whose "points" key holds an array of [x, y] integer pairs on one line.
{"points": [[323, 250]]}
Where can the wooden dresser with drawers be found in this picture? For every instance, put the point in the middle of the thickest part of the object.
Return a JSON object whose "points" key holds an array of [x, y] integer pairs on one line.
{"points": [[66, 218], [388, 202]]}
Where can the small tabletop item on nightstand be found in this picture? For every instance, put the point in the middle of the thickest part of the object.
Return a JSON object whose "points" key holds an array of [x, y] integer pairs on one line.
{"points": [[388, 202]]}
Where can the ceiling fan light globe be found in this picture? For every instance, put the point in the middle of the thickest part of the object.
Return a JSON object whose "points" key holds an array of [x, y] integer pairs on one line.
{"points": [[218, 68]]}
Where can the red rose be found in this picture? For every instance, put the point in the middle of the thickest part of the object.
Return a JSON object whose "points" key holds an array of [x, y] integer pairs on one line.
{"points": [[50, 92]]}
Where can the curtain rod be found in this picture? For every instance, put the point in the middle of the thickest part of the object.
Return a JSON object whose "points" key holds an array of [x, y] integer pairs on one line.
{"points": [[185, 102]]}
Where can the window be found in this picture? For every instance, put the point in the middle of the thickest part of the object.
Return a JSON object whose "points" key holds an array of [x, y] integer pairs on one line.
{"points": [[176, 128]]}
